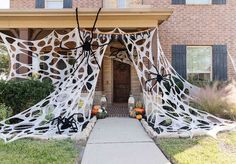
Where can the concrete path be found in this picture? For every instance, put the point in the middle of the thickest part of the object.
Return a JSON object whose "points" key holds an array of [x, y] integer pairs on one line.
{"points": [[121, 141]]}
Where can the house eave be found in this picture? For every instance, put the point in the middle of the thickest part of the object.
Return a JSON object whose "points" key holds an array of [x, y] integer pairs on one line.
{"points": [[109, 18]]}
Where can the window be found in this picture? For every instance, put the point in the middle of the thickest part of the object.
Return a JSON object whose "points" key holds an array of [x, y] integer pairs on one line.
{"points": [[198, 1], [121, 3], [54, 4], [4, 4], [115, 3], [199, 63]]}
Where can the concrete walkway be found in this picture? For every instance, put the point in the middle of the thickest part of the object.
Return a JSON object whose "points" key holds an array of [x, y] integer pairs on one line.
{"points": [[121, 141]]}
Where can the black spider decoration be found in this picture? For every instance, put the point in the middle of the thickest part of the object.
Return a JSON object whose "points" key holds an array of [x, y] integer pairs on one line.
{"points": [[158, 78], [68, 122], [87, 46]]}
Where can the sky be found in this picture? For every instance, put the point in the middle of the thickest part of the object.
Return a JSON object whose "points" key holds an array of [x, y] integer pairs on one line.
{"points": [[4, 4]]}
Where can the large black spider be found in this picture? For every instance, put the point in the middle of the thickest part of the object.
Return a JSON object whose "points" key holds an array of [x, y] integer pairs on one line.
{"points": [[87, 46], [68, 122], [159, 77]]}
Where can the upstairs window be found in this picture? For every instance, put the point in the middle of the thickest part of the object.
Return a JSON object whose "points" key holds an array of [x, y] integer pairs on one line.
{"points": [[198, 2], [115, 3], [4, 4], [199, 63], [54, 4], [121, 3]]}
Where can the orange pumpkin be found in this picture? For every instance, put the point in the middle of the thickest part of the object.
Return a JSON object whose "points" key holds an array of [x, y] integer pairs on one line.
{"points": [[139, 117], [139, 110], [95, 109]]}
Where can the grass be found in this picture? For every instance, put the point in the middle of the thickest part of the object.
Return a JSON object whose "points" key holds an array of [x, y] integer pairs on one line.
{"points": [[27, 151], [201, 150]]}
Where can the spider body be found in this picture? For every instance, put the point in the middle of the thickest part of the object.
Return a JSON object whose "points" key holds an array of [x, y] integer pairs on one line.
{"points": [[67, 122], [87, 44], [158, 78]]}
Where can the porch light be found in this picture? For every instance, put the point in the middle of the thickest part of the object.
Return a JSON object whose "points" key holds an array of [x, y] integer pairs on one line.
{"points": [[131, 102], [103, 102]]}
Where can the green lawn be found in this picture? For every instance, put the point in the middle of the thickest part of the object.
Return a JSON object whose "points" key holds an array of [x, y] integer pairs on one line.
{"points": [[27, 151], [201, 150]]}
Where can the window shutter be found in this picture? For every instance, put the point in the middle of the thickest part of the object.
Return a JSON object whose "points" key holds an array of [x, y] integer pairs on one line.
{"points": [[179, 59], [40, 4], [219, 54], [67, 4], [218, 2], [178, 2]]}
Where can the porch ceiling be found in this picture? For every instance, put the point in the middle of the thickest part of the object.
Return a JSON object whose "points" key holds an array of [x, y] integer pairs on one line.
{"points": [[109, 18]]}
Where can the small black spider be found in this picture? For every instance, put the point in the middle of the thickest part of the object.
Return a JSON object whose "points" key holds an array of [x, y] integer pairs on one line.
{"points": [[87, 45], [70, 122], [158, 77]]}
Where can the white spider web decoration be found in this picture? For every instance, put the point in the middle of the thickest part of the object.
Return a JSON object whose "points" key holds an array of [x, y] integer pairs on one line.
{"points": [[167, 100], [74, 93], [166, 103]]}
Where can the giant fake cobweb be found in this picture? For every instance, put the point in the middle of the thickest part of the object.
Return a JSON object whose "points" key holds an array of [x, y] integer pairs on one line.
{"points": [[166, 95]]}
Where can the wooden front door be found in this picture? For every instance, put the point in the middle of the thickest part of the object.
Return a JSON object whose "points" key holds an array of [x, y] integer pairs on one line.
{"points": [[121, 82]]}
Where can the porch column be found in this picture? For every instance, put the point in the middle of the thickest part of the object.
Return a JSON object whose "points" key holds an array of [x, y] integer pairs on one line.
{"points": [[23, 34]]}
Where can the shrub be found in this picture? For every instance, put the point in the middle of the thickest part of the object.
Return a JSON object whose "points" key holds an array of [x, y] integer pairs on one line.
{"points": [[217, 99], [22, 94], [5, 112]]}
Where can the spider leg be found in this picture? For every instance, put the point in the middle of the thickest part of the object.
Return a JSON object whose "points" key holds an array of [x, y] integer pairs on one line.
{"points": [[166, 75], [152, 73], [68, 49], [58, 125], [75, 127], [148, 81], [94, 57], [79, 65], [78, 58], [153, 85], [95, 22], [156, 69], [52, 121], [103, 44], [78, 26]]}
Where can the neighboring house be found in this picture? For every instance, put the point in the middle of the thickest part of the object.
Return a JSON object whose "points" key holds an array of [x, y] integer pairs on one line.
{"points": [[195, 38]]}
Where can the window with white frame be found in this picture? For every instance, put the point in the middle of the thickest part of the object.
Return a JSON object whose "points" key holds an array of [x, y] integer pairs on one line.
{"points": [[198, 1], [199, 63], [54, 4], [4, 4]]}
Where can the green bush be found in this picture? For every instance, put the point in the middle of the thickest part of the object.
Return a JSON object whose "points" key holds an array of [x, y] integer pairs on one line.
{"points": [[22, 94], [5, 112]]}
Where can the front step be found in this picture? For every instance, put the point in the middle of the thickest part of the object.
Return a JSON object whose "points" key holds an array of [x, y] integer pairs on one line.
{"points": [[118, 110]]}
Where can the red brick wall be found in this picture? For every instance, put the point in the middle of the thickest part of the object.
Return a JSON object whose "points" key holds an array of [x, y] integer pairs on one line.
{"points": [[22, 4], [199, 25], [90, 3]]}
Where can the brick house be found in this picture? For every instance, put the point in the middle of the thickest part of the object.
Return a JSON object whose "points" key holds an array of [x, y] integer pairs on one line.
{"points": [[195, 34]]}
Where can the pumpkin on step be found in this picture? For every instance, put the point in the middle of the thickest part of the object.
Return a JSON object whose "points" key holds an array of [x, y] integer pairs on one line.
{"points": [[95, 109], [139, 110], [139, 117]]}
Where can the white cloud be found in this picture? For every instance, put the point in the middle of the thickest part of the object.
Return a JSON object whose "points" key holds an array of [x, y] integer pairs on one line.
{"points": [[4, 4]]}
